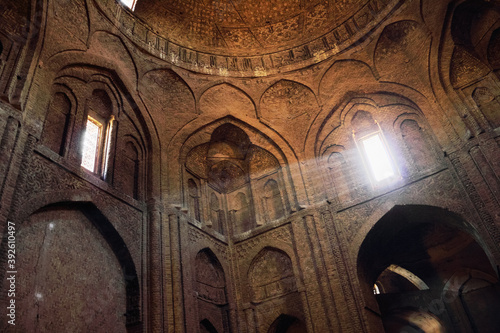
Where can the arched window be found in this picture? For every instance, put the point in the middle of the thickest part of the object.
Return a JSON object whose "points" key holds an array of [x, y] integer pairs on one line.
{"points": [[373, 147], [272, 201], [129, 3], [99, 125]]}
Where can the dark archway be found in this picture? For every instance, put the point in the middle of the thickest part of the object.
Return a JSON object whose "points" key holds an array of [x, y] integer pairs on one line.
{"points": [[207, 327], [287, 324], [411, 254]]}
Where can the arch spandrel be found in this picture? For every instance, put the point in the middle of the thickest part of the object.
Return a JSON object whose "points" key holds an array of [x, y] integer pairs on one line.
{"points": [[224, 100]]}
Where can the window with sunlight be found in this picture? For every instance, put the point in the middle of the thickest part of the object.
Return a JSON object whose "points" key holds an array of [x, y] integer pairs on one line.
{"points": [[91, 141], [378, 158], [129, 3]]}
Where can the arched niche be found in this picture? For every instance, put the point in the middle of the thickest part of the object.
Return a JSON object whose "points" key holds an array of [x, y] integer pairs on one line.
{"points": [[199, 131], [210, 287], [232, 172], [217, 216], [488, 103], [402, 51], [344, 157], [30, 25], [210, 277], [338, 175], [411, 253], [194, 199], [71, 257], [493, 52], [124, 140], [58, 123], [271, 275], [128, 176], [419, 152], [243, 212], [225, 99], [289, 104], [176, 99], [273, 201]]}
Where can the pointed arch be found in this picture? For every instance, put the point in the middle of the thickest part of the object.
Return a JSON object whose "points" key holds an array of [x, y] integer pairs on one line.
{"points": [[431, 243], [106, 229], [287, 324], [59, 120], [210, 277], [211, 291], [199, 131], [207, 327], [271, 267]]}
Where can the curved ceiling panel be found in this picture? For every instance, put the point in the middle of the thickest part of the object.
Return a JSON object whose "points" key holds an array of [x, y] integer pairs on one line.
{"points": [[247, 38]]}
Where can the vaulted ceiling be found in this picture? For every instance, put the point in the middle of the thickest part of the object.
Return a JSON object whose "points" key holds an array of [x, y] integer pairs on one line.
{"points": [[237, 27]]}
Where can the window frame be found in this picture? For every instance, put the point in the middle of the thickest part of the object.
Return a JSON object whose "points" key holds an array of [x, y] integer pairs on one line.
{"points": [[369, 169], [104, 143], [130, 5]]}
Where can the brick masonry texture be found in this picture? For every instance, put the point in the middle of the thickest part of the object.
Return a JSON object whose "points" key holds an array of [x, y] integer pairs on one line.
{"points": [[231, 191]]}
